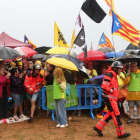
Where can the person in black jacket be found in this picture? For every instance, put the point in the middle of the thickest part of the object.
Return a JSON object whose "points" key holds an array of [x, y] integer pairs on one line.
{"points": [[49, 74], [16, 89]]}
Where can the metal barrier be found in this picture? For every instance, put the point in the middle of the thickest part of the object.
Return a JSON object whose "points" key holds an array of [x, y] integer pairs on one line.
{"points": [[42, 99]]}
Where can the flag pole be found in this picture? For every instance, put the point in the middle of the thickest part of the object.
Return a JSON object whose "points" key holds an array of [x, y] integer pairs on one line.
{"points": [[74, 29], [112, 37]]}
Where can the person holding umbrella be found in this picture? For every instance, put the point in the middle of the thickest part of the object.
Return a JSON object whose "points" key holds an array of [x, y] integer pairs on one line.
{"points": [[133, 82], [110, 89]]}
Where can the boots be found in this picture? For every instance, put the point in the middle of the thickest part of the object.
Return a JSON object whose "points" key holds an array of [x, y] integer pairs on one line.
{"points": [[124, 136], [130, 121], [98, 131]]}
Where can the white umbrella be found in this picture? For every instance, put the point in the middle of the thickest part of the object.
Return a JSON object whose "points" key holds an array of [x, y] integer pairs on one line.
{"points": [[84, 71]]}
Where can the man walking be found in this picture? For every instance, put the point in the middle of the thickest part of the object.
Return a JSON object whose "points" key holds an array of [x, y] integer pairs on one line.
{"points": [[33, 82], [110, 89]]}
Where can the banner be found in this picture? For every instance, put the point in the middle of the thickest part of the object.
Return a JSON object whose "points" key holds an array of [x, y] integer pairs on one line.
{"points": [[71, 100]]}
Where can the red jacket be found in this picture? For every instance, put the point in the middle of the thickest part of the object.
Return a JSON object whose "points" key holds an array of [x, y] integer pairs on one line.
{"points": [[4, 82], [110, 83], [31, 82]]}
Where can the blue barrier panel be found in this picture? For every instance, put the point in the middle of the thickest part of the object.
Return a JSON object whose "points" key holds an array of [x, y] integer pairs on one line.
{"points": [[80, 88]]}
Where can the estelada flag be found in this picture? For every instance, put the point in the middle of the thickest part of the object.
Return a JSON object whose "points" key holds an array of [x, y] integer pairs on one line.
{"points": [[105, 42], [26, 40], [123, 28], [59, 39], [110, 3]]}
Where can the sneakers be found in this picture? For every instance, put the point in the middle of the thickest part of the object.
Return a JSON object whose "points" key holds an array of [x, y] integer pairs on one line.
{"points": [[58, 125], [130, 121], [64, 125], [124, 136], [30, 120], [98, 131], [22, 116], [139, 120]]}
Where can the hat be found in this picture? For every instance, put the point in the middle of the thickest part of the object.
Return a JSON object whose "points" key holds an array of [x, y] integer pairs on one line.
{"points": [[19, 63], [39, 62], [12, 64], [1, 60], [30, 62], [90, 63], [19, 59]]}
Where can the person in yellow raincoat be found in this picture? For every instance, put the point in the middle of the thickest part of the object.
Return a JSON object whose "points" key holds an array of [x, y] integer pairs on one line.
{"points": [[133, 96]]}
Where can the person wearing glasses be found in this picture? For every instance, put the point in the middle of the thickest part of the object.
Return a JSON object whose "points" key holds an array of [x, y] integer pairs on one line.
{"points": [[133, 96]]}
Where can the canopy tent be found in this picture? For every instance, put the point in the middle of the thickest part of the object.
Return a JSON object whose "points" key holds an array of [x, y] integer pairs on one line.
{"points": [[8, 41]]}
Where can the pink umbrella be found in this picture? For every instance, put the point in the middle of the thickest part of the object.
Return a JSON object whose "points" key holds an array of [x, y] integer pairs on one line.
{"points": [[25, 51]]}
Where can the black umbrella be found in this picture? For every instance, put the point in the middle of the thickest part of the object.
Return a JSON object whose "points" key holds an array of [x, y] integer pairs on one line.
{"points": [[132, 47], [73, 59], [42, 49], [37, 57], [106, 49], [128, 58], [8, 53], [137, 52], [106, 60]]}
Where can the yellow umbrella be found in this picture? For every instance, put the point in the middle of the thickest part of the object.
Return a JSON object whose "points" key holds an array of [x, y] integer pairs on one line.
{"points": [[57, 50], [63, 63]]}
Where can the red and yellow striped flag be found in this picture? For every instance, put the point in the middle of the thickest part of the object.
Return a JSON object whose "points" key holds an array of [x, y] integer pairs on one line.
{"points": [[105, 42], [110, 3], [123, 28]]}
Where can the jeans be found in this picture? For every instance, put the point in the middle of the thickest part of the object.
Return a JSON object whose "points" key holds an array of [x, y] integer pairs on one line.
{"points": [[33, 97], [3, 106], [17, 98], [61, 111]]}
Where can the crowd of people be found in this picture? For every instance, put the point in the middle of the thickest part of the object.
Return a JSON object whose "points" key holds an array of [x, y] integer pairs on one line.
{"points": [[23, 81]]}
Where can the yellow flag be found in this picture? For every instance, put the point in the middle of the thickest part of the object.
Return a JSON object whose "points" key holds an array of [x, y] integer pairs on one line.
{"points": [[73, 38], [59, 39]]}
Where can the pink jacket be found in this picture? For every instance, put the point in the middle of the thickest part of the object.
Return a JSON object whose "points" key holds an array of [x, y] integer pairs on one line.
{"points": [[4, 82]]}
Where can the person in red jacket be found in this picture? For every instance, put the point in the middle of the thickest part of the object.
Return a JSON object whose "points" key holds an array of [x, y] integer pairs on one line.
{"points": [[110, 88], [33, 82], [4, 92]]}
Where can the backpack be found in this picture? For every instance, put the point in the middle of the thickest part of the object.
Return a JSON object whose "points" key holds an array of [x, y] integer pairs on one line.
{"points": [[67, 91]]}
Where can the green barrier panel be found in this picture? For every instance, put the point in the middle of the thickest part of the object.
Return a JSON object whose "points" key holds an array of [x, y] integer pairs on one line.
{"points": [[70, 100]]}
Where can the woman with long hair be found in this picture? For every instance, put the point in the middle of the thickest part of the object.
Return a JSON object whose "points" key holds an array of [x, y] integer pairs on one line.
{"points": [[59, 96]]}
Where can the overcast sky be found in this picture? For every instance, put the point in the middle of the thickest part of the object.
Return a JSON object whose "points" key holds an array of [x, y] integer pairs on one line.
{"points": [[35, 18]]}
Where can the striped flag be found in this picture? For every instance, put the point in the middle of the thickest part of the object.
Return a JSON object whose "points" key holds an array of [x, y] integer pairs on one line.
{"points": [[110, 3], [26, 40], [105, 42], [123, 28]]}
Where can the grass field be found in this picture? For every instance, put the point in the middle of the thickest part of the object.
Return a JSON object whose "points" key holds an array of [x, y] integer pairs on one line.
{"points": [[43, 128]]}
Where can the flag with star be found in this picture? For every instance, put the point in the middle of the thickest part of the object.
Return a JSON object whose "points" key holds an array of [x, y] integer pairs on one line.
{"points": [[80, 39], [105, 42], [59, 39], [26, 40], [124, 29]]}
